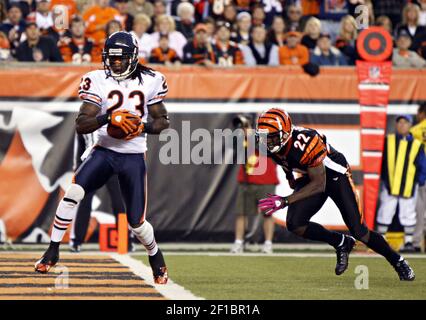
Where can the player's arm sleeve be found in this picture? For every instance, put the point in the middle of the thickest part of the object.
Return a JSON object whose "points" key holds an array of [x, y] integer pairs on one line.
{"points": [[88, 90], [159, 90], [315, 152]]}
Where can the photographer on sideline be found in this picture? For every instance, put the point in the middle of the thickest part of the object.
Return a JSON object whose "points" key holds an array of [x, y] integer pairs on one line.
{"points": [[251, 188]]}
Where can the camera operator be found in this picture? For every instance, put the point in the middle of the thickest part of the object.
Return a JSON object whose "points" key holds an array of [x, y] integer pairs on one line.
{"points": [[251, 188]]}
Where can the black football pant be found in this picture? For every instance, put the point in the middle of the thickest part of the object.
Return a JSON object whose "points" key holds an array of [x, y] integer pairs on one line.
{"points": [[341, 190]]}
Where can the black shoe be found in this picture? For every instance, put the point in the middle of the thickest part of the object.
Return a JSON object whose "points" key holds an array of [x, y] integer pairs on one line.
{"points": [[49, 259], [159, 269], [75, 248], [404, 271], [410, 248], [342, 253]]}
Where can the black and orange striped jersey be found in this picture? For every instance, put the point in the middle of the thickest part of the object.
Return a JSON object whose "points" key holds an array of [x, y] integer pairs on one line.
{"points": [[307, 148]]}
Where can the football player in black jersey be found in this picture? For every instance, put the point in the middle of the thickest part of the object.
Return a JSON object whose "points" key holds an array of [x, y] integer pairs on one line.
{"points": [[325, 173]]}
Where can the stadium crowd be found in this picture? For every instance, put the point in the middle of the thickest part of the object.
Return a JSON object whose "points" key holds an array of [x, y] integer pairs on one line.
{"points": [[208, 32]]}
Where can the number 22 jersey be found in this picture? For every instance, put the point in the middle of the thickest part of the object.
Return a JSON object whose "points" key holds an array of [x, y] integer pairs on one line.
{"points": [[110, 95], [308, 148]]}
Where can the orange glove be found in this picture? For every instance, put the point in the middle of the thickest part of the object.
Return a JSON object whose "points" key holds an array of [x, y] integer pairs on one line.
{"points": [[125, 120], [135, 134]]}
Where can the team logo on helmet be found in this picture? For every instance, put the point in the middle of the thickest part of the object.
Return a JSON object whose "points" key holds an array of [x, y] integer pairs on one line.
{"points": [[276, 127]]}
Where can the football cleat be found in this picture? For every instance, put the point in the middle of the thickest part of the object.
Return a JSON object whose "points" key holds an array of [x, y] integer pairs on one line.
{"points": [[342, 253], [161, 276], [405, 272], [48, 260]]}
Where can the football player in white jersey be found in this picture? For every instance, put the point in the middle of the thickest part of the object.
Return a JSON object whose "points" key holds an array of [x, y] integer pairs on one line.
{"points": [[112, 97]]}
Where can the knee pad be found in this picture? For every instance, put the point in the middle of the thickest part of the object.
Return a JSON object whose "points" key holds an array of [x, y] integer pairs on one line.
{"points": [[145, 232], [74, 194]]}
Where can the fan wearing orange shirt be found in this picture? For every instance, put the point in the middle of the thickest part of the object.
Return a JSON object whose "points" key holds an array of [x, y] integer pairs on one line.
{"points": [[293, 53], [97, 18]]}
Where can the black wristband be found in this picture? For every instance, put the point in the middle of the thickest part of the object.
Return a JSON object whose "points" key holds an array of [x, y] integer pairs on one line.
{"points": [[103, 119], [148, 127], [285, 201]]}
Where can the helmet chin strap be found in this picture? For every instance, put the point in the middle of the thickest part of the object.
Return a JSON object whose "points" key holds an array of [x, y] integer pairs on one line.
{"points": [[125, 74]]}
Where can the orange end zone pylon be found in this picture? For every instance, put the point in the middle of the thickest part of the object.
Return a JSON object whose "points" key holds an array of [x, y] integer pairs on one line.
{"points": [[123, 231]]}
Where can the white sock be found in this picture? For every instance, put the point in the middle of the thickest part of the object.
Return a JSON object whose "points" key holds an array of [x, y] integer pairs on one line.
{"points": [[65, 213], [239, 241], [145, 234], [268, 243]]}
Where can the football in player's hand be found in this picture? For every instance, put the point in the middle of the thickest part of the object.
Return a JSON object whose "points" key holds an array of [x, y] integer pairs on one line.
{"points": [[118, 132]]}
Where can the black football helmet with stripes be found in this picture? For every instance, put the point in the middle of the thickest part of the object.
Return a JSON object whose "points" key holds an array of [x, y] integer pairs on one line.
{"points": [[120, 55]]}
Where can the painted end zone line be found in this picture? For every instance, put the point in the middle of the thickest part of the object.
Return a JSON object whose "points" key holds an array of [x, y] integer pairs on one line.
{"points": [[171, 290]]}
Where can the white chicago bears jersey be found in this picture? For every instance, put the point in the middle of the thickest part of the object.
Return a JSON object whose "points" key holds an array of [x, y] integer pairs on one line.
{"points": [[110, 95]]}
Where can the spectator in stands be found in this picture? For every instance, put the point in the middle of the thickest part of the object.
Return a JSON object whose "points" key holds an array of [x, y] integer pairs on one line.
{"points": [[13, 27], [390, 8], [385, 22], [312, 32], [4, 47], [26, 6], [77, 49], [243, 28], [258, 15], [345, 42], [122, 7], [294, 18], [325, 54], [71, 6], [113, 26], [163, 54], [199, 50], [402, 56], [166, 25], [37, 48], [293, 53], [141, 6], [230, 16], [410, 23], [146, 43], [422, 18], [210, 24], [96, 18], [276, 34], [271, 10], [3, 11], [159, 10], [203, 9], [43, 15], [227, 53], [185, 22], [259, 51]]}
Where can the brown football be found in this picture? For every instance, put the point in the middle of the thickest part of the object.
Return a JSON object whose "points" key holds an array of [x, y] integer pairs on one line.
{"points": [[117, 132]]}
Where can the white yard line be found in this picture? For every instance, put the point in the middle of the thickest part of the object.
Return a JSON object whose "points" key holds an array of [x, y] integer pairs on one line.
{"points": [[171, 290], [289, 254]]}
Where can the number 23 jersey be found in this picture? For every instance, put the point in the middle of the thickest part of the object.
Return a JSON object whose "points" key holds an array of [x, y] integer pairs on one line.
{"points": [[308, 148], [130, 94]]}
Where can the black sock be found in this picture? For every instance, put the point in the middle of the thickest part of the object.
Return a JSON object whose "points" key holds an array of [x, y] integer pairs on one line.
{"points": [[379, 245], [317, 232], [54, 244], [157, 261]]}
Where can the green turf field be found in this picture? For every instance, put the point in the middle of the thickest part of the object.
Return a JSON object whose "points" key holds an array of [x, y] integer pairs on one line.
{"points": [[277, 277]]}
